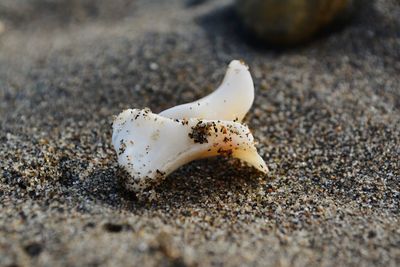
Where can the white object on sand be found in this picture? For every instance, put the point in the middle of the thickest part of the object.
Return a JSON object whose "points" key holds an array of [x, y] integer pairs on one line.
{"points": [[230, 101], [150, 146]]}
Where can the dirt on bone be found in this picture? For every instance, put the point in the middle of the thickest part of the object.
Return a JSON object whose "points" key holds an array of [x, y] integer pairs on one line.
{"points": [[201, 131]]}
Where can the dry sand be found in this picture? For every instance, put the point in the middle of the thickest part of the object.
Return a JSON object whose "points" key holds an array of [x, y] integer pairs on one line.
{"points": [[326, 115]]}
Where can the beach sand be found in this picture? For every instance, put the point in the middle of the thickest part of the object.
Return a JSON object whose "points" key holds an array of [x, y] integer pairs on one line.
{"points": [[326, 117]]}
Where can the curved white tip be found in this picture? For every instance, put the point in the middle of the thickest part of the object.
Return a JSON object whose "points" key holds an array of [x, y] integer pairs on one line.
{"points": [[230, 101]]}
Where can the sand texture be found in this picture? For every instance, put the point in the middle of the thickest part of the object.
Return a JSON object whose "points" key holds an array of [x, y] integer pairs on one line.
{"points": [[326, 117]]}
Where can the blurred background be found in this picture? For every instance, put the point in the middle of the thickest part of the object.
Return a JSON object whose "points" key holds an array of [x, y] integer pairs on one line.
{"points": [[275, 21]]}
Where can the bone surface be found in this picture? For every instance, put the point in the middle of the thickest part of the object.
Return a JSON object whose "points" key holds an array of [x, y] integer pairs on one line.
{"points": [[230, 101], [150, 146]]}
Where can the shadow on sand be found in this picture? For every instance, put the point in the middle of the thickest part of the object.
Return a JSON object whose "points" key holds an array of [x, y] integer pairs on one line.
{"points": [[191, 185]]}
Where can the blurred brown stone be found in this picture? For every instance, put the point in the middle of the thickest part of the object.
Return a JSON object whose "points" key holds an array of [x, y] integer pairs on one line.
{"points": [[291, 21]]}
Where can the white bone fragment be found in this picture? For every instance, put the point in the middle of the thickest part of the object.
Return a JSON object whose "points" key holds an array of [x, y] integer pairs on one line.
{"points": [[150, 146], [230, 101]]}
